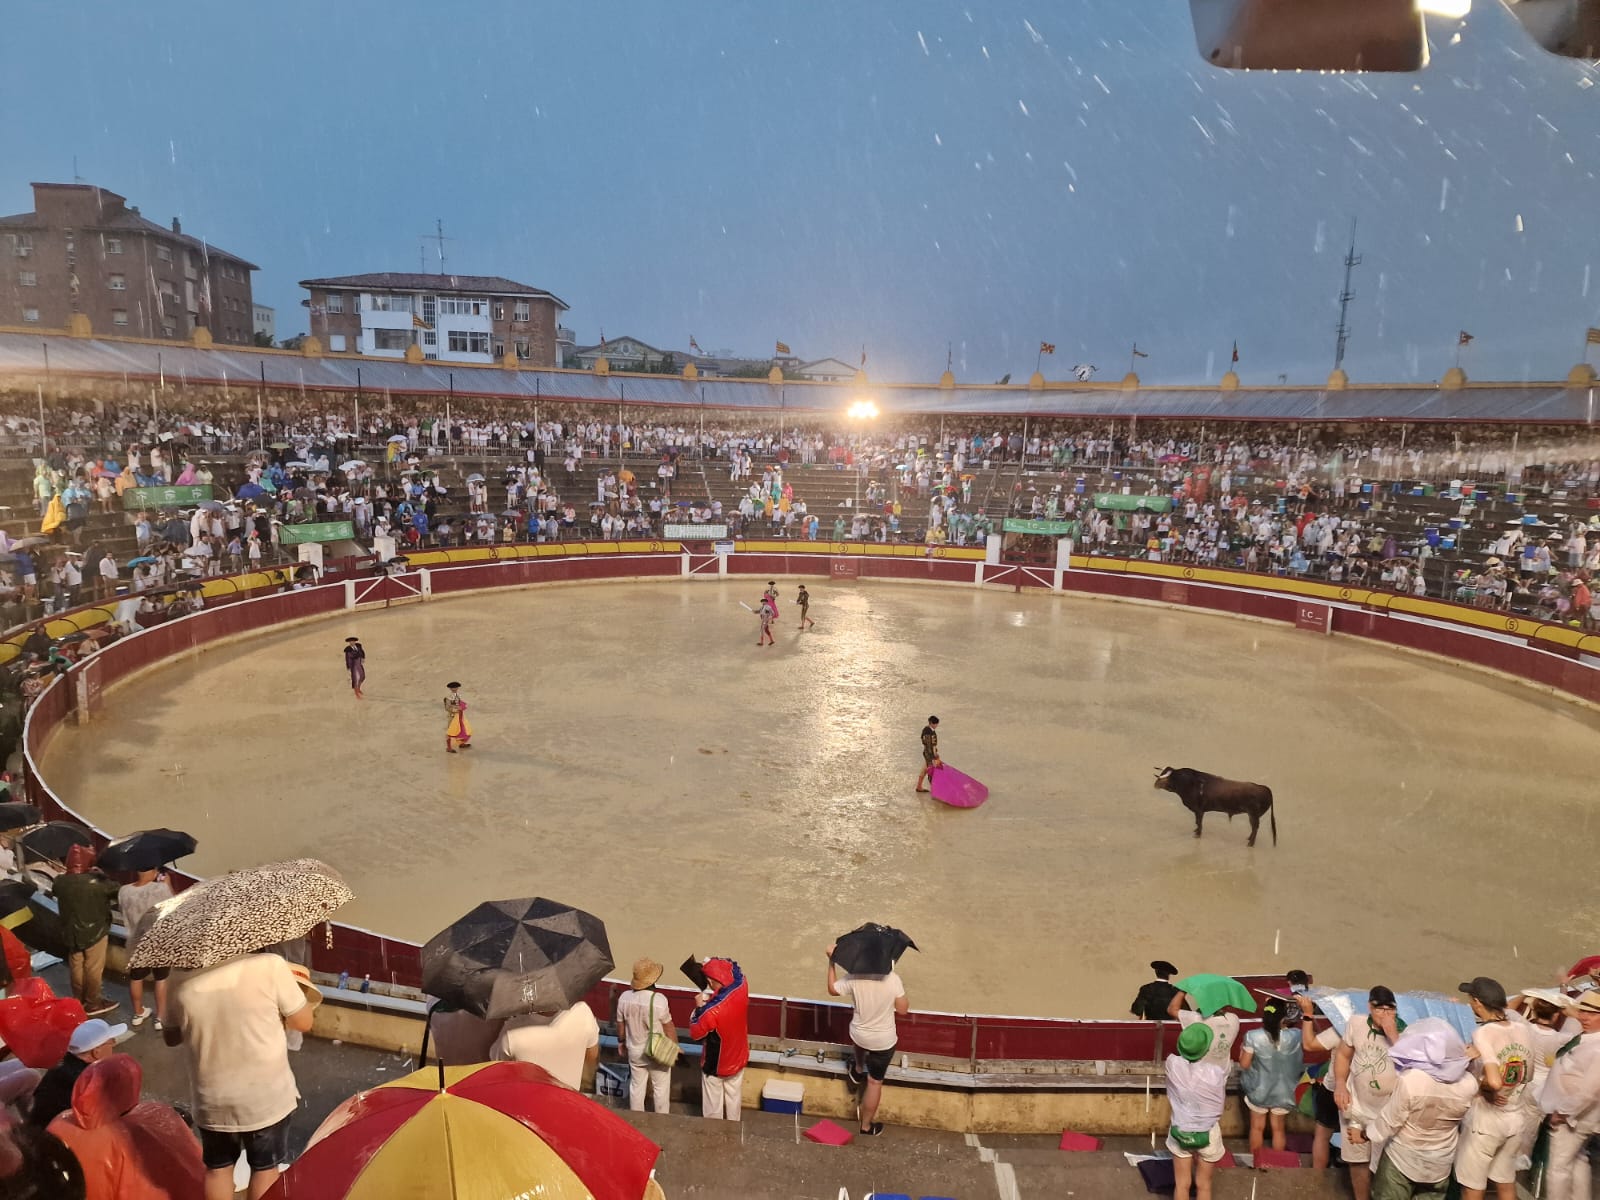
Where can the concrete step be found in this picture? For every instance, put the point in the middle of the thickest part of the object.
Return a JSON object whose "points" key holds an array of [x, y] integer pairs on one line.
{"points": [[759, 1156]]}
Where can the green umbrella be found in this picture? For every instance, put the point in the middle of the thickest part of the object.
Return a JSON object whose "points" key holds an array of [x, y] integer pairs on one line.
{"points": [[1213, 993]]}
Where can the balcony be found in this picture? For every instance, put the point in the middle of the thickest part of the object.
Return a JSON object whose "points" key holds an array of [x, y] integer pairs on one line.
{"points": [[565, 336]]}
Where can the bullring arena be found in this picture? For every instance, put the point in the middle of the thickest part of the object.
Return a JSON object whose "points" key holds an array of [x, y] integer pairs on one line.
{"points": [[773, 787], [1423, 713]]}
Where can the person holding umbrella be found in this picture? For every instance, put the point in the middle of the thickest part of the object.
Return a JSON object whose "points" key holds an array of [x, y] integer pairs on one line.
{"points": [[233, 1013], [877, 996], [83, 899], [136, 901]]}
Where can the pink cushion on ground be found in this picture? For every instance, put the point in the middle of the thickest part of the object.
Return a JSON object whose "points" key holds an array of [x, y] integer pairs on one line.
{"points": [[1079, 1141], [1268, 1157], [828, 1134], [1227, 1159]]}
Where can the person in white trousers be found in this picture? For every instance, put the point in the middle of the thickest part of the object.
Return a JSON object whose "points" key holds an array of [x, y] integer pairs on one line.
{"points": [[637, 1009], [1571, 1100]]}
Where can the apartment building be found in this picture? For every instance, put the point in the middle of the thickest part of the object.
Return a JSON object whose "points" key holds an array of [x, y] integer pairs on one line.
{"points": [[84, 249], [452, 318]]}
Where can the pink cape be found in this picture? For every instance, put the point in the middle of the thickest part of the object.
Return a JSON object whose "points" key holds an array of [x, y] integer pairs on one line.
{"points": [[952, 787]]}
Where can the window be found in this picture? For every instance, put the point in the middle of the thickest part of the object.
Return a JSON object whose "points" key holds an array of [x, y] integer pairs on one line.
{"points": [[391, 339], [430, 310], [31, 315], [113, 245], [336, 341], [461, 306], [164, 253], [21, 244], [522, 349], [119, 316], [169, 327], [468, 343], [399, 304], [520, 313], [27, 279], [430, 357], [430, 338], [499, 310], [335, 302], [117, 283]]}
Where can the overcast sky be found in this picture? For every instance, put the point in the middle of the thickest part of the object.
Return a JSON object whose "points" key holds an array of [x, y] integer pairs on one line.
{"points": [[903, 177]]}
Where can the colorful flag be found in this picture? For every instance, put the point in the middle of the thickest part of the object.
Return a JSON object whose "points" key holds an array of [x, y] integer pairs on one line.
{"points": [[418, 323], [1235, 352], [783, 348], [1047, 347], [1138, 353], [1592, 337], [694, 345], [1465, 338]]}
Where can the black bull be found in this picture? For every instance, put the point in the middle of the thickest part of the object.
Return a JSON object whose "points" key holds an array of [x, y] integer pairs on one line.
{"points": [[1202, 792]]}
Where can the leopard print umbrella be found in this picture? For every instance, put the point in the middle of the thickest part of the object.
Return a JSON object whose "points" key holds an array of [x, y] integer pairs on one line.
{"points": [[241, 912]]}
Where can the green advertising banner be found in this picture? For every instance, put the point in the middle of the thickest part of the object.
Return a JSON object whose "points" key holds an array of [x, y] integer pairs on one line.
{"points": [[1038, 525], [166, 497], [1117, 502], [318, 531]]}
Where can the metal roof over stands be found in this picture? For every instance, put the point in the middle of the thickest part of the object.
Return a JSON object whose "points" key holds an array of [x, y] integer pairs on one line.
{"points": [[22, 352]]}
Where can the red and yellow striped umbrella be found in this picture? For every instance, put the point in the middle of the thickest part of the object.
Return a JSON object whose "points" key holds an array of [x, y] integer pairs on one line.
{"points": [[496, 1131]]}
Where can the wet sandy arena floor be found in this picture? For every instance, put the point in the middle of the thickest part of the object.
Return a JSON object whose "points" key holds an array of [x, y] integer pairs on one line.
{"points": [[637, 755]]}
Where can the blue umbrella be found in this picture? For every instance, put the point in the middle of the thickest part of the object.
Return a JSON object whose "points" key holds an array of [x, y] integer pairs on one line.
{"points": [[250, 491], [1340, 1006], [141, 560]]}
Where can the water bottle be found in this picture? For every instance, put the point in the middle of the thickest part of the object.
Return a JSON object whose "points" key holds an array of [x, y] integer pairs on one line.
{"points": [[366, 984], [344, 980]]}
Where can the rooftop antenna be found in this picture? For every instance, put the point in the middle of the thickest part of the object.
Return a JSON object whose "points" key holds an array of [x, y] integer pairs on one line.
{"points": [[1352, 260], [437, 236], [76, 178]]}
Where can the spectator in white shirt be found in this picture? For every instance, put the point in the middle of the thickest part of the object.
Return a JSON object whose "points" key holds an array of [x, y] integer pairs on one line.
{"points": [[567, 1044], [1197, 1089], [640, 1010], [1571, 1099], [1417, 1130], [877, 1001]]}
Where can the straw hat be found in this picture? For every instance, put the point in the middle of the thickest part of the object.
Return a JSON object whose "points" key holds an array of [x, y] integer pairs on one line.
{"points": [[302, 976], [645, 972]]}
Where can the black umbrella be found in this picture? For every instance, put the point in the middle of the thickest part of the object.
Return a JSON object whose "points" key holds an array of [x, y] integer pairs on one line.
{"points": [[52, 841], [14, 814], [509, 957], [146, 850], [871, 949]]}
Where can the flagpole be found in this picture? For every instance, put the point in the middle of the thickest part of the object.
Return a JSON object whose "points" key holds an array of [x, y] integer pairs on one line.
{"points": [[261, 429], [1133, 357]]}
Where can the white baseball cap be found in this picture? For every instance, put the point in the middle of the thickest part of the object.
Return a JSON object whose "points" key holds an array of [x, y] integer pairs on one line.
{"points": [[92, 1033]]}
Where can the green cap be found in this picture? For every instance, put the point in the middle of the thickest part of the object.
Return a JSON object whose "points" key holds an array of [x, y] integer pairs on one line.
{"points": [[1194, 1041]]}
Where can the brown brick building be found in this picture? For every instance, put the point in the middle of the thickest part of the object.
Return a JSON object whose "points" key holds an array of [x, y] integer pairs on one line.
{"points": [[83, 250], [451, 318]]}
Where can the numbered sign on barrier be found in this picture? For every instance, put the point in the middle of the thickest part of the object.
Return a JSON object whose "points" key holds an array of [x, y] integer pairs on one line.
{"points": [[1318, 618], [844, 568]]}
